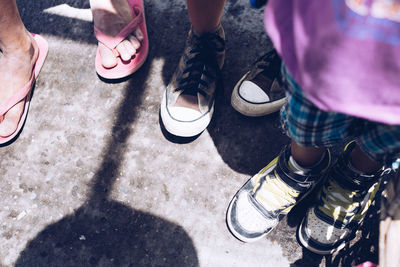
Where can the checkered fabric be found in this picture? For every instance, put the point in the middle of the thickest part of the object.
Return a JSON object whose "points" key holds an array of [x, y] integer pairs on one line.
{"points": [[309, 126]]}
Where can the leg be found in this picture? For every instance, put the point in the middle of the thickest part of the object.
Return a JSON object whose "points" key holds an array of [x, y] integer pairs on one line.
{"points": [[269, 195], [363, 162], [306, 156], [188, 101], [19, 52], [205, 15], [350, 188], [110, 16], [378, 145]]}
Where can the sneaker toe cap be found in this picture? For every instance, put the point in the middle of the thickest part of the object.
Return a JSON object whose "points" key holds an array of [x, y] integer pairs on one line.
{"points": [[251, 92], [247, 220], [321, 231], [184, 114]]}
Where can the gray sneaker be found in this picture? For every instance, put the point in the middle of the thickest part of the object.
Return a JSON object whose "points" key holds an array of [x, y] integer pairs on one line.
{"points": [[188, 101], [267, 197], [340, 207], [259, 92]]}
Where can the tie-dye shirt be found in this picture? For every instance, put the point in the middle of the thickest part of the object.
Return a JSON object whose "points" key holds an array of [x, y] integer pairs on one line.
{"points": [[344, 54]]}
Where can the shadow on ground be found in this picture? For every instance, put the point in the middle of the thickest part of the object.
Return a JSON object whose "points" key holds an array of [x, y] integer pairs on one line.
{"points": [[105, 232], [110, 234]]}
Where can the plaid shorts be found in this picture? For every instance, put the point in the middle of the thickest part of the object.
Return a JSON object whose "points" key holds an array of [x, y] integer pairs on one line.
{"points": [[309, 126]]}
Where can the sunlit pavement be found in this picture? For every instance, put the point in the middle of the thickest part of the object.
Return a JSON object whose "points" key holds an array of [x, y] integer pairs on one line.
{"points": [[94, 181]]}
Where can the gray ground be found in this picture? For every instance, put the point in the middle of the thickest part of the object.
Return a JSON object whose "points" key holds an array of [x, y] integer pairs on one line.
{"points": [[94, 181]]}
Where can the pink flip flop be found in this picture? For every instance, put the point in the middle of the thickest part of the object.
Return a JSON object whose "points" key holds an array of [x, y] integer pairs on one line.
{"points": [[124, 68], [25, 93]]}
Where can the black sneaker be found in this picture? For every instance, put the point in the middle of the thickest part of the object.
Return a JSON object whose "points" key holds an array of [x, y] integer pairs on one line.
{"points": [[260, 91], [268, 196], [188, 101], [341, 206]]}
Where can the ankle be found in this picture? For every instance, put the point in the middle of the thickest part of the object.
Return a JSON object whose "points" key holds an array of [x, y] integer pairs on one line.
{"points": [[306, 156], [21, 46], [201, 31], [362, 163], [304, 170]]}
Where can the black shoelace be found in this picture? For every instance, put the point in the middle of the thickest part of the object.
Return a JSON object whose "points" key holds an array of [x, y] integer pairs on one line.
{"points": [[202, 64]]}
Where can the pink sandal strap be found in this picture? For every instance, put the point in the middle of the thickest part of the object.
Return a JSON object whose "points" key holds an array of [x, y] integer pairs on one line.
{"points": [[112, 41], [17, 97]]}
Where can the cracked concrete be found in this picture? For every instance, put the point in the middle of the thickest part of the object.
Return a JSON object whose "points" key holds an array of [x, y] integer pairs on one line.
{"points": [[94, 181]]}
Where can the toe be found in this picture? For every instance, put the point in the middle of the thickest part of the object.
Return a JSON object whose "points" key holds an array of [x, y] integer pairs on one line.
{"points": [[107, 57], [126, 50], [11, 119], [134, 42], [129, 47], [139, 34]]}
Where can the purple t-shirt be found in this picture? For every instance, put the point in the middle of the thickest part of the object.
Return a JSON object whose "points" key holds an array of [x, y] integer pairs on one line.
{"points": [[344, 54]]}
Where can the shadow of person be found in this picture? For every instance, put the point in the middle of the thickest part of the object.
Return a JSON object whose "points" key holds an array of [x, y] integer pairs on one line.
{"points": [[110, 234], [107, 233], [104, 232]]}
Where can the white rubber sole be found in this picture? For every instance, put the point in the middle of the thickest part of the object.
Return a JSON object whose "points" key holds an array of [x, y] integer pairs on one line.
{"points": [[183, 128], [251, 109]]}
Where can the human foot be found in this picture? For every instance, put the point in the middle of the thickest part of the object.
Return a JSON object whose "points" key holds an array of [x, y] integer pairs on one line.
{"points": [[188, 101], [110, 17], [340, 207], [16, 64], [267, 197]]}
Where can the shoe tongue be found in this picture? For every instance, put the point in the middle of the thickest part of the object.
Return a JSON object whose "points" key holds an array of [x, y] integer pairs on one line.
{"points": [[188, 100], [264, 82], [189, 93]]}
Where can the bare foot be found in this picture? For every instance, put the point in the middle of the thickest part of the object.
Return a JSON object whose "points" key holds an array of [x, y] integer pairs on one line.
{"points": [[110, 16], [16, 62]]}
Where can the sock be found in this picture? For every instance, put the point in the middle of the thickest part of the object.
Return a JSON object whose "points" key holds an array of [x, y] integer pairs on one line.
{"points": [[296, 168]]}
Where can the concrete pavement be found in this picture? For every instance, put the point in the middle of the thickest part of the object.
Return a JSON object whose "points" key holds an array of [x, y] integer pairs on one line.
{"points": [[94, 181]]}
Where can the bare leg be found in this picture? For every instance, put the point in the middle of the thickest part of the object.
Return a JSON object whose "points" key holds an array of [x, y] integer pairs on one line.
{"points": [[19, 52], [110, 16], [362, 162], [306, 156], [205, 15]]}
